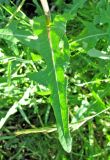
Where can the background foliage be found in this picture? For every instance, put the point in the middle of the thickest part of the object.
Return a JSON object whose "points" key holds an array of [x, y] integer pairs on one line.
{"points": [[25, 104]]}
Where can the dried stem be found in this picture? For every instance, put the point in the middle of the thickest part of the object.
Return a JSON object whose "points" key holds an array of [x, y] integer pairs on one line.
{"points": [[45, 7]]}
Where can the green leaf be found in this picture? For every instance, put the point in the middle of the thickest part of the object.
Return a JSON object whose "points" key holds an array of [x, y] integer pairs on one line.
{"points": [[36, 57], [17, 105], [98, 54], [99, 102], [103, 16], [40, 77], [90, 35], [7, 34], [53, 76], [77, 4]]}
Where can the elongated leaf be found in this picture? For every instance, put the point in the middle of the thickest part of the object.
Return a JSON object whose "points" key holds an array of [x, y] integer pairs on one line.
{"points": [[98, 54], [56, 60], [52, 76]]}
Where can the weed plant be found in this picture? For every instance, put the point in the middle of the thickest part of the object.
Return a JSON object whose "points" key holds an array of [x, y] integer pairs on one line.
{"points": [[54, 80]]}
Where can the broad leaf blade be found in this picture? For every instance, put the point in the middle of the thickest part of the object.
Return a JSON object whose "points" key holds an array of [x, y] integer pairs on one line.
{"points": [[40, 77], [53, 77], [56, 59]]}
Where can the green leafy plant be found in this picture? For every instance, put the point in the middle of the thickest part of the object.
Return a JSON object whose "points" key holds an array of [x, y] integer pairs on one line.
{"points": [[36, 57], [51, 42]]}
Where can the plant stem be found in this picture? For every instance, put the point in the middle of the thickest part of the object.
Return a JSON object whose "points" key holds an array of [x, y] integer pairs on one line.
{"points": [[45, 7]]}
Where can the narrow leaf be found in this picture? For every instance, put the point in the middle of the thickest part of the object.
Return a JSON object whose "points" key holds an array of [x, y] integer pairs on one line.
{"points": [[98, 54]]}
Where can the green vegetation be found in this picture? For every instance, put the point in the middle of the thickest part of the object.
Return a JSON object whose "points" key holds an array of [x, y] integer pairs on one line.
{"points": [[54, 80]]}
